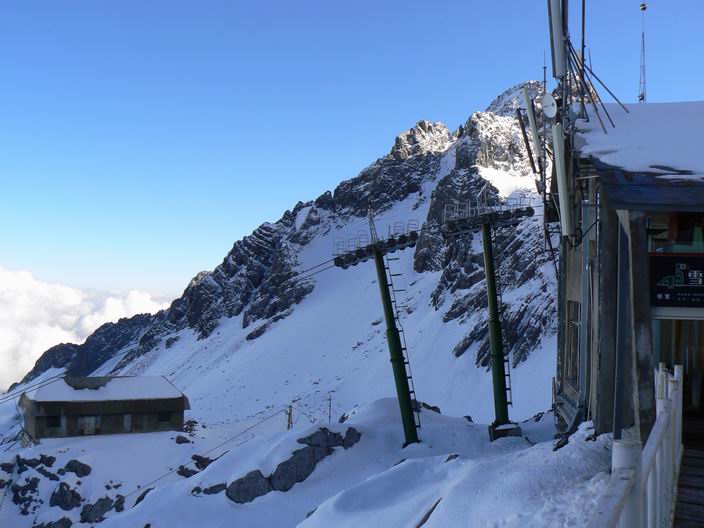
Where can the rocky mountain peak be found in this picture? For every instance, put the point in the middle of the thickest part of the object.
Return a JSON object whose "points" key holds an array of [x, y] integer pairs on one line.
{"points": [[426, 137], [506, 103]]}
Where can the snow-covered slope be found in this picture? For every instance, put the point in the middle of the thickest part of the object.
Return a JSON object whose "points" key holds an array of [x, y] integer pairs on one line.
{"points": [[256, 334]]}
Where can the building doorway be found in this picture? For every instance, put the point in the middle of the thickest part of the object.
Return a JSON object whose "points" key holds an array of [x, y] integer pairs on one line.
{"points": [[88, 424], [681, 342]]}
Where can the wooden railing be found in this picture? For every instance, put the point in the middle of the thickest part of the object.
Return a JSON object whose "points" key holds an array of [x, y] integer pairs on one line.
{"points": [[643, 485]]}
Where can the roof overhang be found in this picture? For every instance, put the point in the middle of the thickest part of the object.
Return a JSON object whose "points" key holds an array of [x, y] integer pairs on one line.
{"points": [[649, 191]]}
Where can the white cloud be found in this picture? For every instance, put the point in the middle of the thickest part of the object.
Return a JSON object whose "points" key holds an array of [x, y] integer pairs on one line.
{"points": [[35, 315]]}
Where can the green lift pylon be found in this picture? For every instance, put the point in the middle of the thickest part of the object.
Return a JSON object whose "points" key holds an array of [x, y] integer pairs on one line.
{"points": [[483, 222], [498, 374], [393, 339], [377, 249]]}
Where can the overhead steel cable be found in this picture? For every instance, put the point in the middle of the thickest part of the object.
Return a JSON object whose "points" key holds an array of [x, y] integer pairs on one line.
{"points": [[10, 396], [191, 461]]}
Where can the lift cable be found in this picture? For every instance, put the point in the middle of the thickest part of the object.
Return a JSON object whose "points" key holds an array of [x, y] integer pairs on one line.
{"points": [[191, 461]]}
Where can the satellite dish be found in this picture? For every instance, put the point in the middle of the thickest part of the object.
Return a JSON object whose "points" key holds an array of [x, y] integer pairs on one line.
{"points": [[549, 105]]}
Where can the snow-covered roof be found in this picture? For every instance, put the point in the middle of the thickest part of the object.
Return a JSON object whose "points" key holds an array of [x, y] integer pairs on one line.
{"points": [[661, 139], [106, 389]]}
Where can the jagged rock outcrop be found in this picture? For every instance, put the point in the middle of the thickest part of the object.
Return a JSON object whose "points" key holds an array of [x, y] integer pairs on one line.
{"points": [[294, 469]]}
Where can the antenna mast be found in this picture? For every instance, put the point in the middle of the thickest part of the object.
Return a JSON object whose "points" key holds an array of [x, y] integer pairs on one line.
{"points": [[641, 90]]}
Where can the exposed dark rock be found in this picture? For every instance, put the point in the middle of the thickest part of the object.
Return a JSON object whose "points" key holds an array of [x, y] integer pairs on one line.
{"points": [[420, 405], [171, 341], [142, 496], [180, 439], [249, 487], [23, 495], [48, 474], [201, 461], [65, 497], [94, 513], [186, 472], [217, 488], [31, 462], [451, 457], [120, 503], [78, 467], [296, 468], [47, 460], [4, 483], [7, 467], [64, 522], [257, 332]]}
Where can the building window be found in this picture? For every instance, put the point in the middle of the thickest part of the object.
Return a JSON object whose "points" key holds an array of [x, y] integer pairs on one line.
{"points": [[53, 421], [164, 417]]}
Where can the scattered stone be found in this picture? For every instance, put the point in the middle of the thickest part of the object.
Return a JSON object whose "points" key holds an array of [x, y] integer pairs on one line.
{"points": [[47, 460], [171, 341], [186, 471], [249, 487], [189, 426], [48, 474], [64, 522], [180, 439], [201, 461], [94, 513], [7, 467], [31, 462], [217, 488], [451, 457], [22, 495], [4, 483], [65, 498], [142, 495], [77, 467]]}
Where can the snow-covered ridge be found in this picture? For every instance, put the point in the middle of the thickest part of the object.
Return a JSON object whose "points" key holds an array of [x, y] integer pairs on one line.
{"points": [[252, 337]]}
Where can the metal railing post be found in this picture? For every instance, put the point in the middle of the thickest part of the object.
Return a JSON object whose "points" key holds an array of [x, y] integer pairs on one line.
{"points": [[626, 454]]}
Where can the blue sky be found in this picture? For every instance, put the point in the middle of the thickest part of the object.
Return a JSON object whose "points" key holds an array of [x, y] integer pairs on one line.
{"points": [[139, 140]]}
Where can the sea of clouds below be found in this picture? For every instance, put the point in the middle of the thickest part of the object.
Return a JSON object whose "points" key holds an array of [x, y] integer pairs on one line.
{"points": [[36, 315]]}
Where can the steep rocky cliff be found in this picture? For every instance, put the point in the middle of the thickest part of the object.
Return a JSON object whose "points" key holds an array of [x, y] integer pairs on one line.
{"points": [[257, 283]]}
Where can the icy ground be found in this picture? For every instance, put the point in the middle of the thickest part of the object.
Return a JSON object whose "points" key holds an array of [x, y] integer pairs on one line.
{"points": [[471, 482]]}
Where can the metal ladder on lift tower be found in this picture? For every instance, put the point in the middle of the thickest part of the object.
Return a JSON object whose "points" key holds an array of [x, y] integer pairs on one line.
{"points": [[404, 349], [500, 302]]}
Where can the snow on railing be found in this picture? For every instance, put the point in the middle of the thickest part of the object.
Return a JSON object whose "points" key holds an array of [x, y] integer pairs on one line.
{"points": [[642, 489]]}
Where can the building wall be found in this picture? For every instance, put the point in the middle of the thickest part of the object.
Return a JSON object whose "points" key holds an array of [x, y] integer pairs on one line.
{"points": [[62, 419], [71, 425]]}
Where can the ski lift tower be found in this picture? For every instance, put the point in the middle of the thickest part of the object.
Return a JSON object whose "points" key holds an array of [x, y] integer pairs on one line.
{"points": [[378, 250], [482, 215]]}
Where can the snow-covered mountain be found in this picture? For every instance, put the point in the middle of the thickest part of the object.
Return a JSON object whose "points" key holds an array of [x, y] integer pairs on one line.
{"points": [[276, 325]]}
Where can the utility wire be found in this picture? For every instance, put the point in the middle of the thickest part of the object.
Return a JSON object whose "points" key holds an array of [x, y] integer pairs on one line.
{"points": [[191, 461], [10, 396]]}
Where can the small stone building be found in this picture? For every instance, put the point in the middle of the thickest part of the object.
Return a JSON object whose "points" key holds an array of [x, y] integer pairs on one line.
{"points": [[77, 406]]}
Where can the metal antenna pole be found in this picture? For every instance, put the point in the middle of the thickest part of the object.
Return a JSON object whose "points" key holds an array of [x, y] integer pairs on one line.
{"points": [[498, 374], [393, 340], [641, 91]]}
